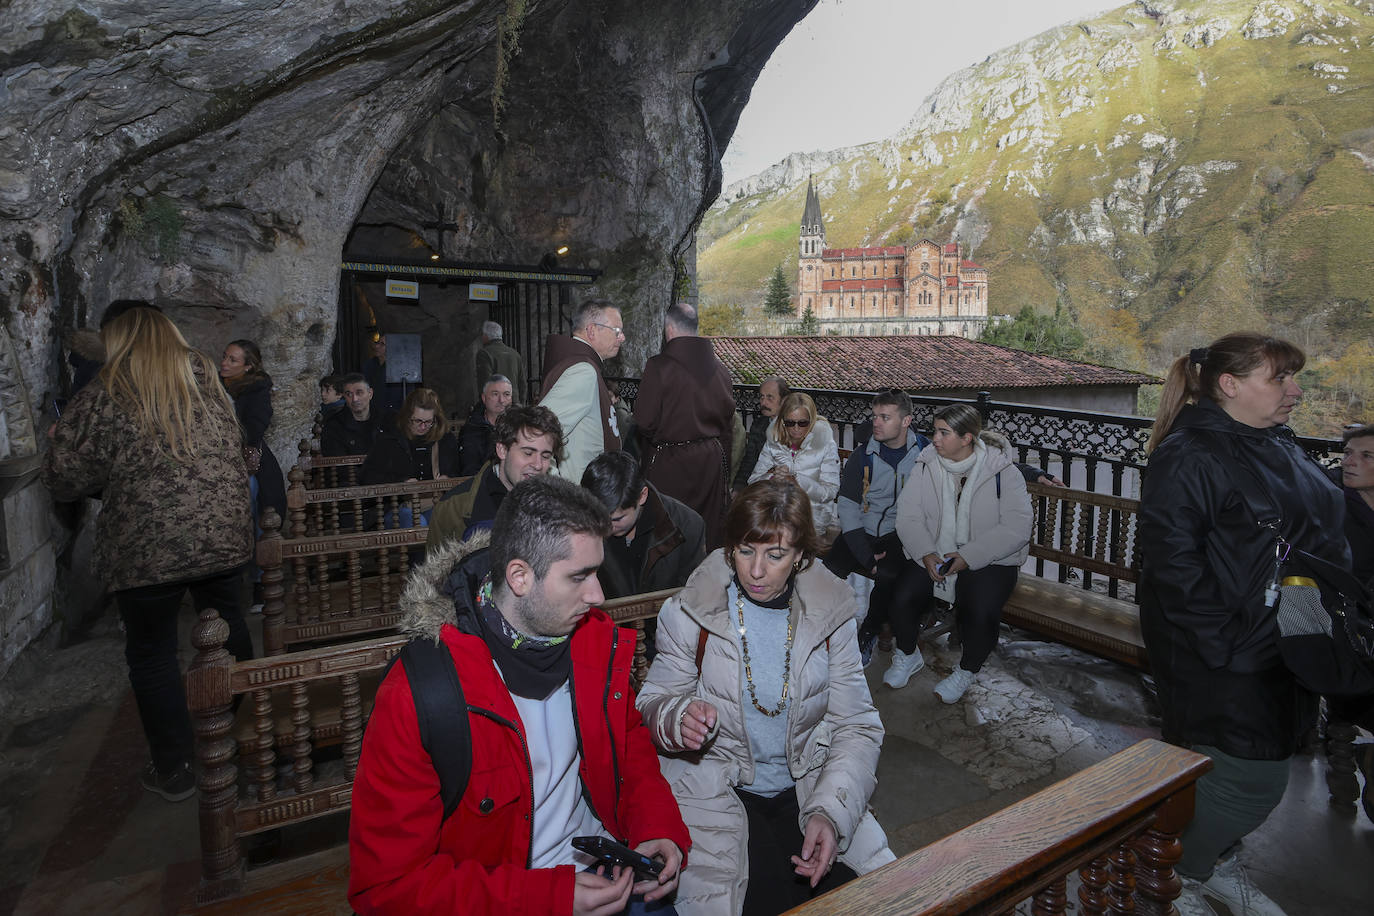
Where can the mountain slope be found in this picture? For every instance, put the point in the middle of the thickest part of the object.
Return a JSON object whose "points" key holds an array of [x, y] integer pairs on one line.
{"points": [[1168, 171]]}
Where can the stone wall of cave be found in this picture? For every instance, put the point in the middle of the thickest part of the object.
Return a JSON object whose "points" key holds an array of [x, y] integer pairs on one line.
{"points": [[218, 158]]}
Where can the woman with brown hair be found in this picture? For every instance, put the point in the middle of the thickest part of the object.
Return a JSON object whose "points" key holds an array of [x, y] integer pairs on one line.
{"points": [[155, 436], [802, 444], [240, 368], [964, 516], [757, 702], [1226, 487], [419, 448]]}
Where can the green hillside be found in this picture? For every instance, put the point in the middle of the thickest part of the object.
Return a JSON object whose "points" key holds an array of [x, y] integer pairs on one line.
{"points": [[1168, 172]]}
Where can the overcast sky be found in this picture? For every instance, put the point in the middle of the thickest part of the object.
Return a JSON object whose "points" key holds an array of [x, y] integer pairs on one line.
{"points": [[817, 91]]}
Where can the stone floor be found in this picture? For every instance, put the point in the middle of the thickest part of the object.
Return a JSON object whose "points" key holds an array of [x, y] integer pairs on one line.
{"points": [[78, 835]]}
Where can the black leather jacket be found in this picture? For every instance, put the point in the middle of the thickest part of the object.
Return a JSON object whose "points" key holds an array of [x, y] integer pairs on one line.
{"points": [[1207, 558]]}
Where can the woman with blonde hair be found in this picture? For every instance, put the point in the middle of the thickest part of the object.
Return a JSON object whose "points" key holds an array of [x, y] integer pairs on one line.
{"points": [[156, 438], [1226, 487], [964, 515], [419, 448], [801, 444], [758, 704]]}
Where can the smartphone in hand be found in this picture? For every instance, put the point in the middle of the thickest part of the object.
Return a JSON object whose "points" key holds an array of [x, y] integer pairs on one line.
{"points": [[612, 853], [944, 568]]}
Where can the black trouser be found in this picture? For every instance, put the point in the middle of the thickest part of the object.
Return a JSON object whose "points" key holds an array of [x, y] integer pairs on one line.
{"points": [[896, 588], [979, 596], [150, 648], [774, 839]]}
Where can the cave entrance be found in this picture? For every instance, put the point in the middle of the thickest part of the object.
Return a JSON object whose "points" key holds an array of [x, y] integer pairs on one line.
{"points": [[445, 303]]}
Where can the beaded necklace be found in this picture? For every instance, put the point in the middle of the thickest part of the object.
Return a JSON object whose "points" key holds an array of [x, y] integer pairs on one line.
{"points": [[748, 672]]}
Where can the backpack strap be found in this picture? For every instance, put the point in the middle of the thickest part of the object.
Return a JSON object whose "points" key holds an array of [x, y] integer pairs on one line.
{"points": [[999, 484], [701, 648], [442, 713]]}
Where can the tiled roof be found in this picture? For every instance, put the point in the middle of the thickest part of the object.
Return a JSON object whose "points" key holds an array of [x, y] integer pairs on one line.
{"points": [[952, 248], [951, 282], [911, 363], [971, 265]]}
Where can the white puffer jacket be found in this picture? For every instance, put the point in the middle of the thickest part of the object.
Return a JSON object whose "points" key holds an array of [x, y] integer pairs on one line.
{"points": [[816, 465], [833, 730], [999, 519]]}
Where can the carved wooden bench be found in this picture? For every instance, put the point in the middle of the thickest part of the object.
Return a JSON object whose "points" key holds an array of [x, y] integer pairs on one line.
{"points": [[338, 568], [272, 779], [1090, 535], [1116, 823], [321, 472]]}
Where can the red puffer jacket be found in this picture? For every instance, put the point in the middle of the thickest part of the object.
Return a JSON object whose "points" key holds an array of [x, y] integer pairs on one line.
{"points": [[404, 860]]}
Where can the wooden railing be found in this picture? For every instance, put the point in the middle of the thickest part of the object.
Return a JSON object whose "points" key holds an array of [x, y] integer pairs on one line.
{"points": [[1116, 823], [283, 784]]}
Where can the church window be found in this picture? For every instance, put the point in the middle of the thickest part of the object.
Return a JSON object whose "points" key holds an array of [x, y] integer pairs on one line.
{"points": [[851, 301], [875, 270], [896, 270], [853, 271], [832, 272]]}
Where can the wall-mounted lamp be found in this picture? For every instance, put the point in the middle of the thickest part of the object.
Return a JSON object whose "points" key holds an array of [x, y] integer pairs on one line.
{"points": [[561, 251]]}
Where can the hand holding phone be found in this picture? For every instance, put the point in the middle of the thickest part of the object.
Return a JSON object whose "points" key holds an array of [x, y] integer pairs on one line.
{"points": [[944, 568], [612, 853]]}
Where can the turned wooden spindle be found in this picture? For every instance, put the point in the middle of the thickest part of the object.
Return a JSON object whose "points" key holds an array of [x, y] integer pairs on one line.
{"points": [[1158, 850], [1102, 546], [295, 503], [639, 670], [1052, 901], [303, 463], [351, 721], [269, 556], [355, 584], [263, 754], [1092, 888], [302, 777], [320, 608], [1121, 881], [209, 699]]}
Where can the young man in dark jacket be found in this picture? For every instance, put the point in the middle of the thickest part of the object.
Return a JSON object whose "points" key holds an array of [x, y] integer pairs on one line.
{"points": [[655, 541], [352, 431], [558, 749]]}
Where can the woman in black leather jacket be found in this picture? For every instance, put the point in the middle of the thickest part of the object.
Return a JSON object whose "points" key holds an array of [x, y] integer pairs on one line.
{"points": [[1225, 473]]}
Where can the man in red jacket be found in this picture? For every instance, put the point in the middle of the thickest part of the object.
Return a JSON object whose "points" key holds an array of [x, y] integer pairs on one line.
{"points": [[557, 747]]}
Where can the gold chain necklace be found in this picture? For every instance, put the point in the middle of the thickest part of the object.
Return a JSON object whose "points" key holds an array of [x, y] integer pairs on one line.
{"points": [[786, 660]]}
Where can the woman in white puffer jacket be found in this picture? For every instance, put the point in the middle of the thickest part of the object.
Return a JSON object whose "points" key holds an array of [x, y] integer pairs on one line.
{"points": [[965, 518], [801, 443]]}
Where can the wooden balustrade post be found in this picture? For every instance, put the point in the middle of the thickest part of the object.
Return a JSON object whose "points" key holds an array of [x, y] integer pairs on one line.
{"points": [[209, 699], [303, 462], [262, 752], [1341, 783], [1158, 850], [639, 670], [351, 720], [270, 563], [1121, 881], [1092, 888], [302, 777], [1053, 900], [296, 503]]}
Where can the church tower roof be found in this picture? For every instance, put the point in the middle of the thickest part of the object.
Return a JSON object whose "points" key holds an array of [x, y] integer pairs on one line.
{"points": [[811, 215]]}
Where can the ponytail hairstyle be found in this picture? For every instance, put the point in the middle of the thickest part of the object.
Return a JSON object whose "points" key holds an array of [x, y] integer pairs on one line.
{"points": [[151, 373], [1197, 374], [965, 420]]}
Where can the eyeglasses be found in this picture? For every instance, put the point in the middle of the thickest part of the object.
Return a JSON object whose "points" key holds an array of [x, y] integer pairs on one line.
{"points": [[425, 424], [796, 424], [618, 332]]}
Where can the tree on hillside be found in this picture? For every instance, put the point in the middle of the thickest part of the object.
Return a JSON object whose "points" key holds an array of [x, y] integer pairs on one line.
{"points": [[809, 326], [720, 320], [1051, 335], [778, 301]]}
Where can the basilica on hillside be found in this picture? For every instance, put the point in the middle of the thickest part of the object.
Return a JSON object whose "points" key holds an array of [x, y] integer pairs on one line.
{"points": [[925, 288]]}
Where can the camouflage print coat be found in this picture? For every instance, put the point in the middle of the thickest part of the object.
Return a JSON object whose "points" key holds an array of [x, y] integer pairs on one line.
{"points": [[161, 521]]}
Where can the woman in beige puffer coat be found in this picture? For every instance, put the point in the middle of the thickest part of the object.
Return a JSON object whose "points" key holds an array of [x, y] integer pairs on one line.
{"points": [[733, 739]]}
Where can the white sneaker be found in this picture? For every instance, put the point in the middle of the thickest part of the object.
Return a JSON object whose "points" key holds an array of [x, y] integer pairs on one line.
{"points": [[952, 688], [1190, 901], [903, 667], [1232, 886]]}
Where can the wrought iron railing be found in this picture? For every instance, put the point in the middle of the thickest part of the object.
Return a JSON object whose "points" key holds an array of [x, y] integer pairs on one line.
{"points": [[1090, 450]]}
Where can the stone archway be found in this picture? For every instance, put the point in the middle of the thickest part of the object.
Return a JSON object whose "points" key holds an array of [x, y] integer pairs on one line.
{"points": [[217, 161]]}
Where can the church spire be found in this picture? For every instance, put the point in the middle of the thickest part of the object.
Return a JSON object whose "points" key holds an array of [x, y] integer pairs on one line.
{"points": [[811, 216], [812, 241]]}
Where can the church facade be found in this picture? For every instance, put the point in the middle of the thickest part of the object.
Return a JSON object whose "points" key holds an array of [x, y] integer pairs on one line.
{"points": [[925, 288]]}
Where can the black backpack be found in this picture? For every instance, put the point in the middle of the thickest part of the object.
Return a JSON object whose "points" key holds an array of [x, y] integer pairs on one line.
{"points": [[442, 714]]}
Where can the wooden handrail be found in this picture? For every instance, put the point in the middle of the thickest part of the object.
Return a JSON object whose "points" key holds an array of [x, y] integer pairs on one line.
{"points": [[1118, 820]]}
